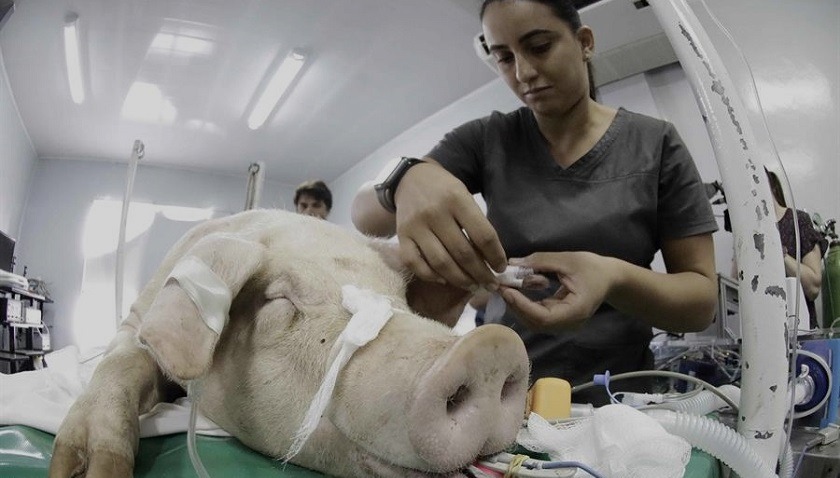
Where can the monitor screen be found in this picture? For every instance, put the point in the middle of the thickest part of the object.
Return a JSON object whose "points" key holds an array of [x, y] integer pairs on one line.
{"points": [[7, 252]]}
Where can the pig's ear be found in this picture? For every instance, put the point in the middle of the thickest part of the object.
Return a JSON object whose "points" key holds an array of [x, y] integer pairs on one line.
{"points": [[182, 333]]}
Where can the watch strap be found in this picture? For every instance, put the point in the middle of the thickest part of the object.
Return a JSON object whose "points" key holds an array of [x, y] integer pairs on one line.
{"points": [[386, 189]]}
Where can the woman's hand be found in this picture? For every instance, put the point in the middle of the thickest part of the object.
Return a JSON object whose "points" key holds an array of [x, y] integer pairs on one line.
{"points": [[682, 300], [443, 234], [585, 280]]}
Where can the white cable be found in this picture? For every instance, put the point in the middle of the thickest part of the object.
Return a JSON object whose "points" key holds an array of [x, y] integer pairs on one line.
{"points": [[664, 373], [194, 392], [705, 402]]}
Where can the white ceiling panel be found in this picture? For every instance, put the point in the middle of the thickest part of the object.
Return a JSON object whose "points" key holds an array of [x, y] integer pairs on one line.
{"points": [[181, 75]]}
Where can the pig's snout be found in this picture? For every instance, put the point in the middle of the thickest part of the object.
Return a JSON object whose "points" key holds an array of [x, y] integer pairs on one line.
{"points": [[472, 400]]}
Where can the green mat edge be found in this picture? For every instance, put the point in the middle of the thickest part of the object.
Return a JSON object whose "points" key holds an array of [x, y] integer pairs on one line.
{"points": [[26, 452]]}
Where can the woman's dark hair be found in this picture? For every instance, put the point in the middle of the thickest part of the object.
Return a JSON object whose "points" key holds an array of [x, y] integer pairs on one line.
{"points": [[776, 187], [317, 189], [564, 10]]}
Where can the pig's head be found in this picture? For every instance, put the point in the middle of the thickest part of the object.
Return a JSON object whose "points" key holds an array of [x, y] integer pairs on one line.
{"points": [[416, 401]]}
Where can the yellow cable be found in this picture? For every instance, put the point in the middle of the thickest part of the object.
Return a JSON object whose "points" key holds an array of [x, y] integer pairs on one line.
{"points": [[515, 465]]}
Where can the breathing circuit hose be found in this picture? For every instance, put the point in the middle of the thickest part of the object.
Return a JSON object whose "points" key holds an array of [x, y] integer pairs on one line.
{"points": [[716, 439]]}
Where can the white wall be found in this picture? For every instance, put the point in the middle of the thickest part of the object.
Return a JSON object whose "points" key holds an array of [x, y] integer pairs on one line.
{"points": [[417, 141], [792, 49], [61, 196], [17, 158]]}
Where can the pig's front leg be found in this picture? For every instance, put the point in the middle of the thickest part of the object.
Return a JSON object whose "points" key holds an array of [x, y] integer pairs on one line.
{"points": [[100, 435]]}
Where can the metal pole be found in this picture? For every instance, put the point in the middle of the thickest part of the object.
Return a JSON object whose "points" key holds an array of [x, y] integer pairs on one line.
{"points": [[137, 153], [256, 178]]}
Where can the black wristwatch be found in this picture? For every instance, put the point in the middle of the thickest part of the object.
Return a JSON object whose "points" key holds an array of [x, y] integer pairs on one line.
{"points": [[385, 190]]}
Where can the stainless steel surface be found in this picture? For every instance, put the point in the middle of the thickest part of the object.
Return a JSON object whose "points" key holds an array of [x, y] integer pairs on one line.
{"points": [[818, 462]]}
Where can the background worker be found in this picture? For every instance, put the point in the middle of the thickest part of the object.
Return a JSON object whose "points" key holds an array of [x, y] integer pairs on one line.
{"points": [[313, 198], [811, 244]]}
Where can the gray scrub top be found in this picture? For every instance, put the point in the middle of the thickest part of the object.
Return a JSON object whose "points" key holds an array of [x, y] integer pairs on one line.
{"points": [[637, 185]]}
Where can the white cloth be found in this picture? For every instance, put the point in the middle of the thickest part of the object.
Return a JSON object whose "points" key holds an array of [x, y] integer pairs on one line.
{"points": [[603, 443], [41, 398]]}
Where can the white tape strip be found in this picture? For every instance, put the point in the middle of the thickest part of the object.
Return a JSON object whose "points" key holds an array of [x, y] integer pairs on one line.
{"points": [[371, 312], [208, 291], [512, 276]]}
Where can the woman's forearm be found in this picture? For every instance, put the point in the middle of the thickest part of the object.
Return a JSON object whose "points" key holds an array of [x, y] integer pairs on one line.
{"points": [[676, 302], [810, 272], [369, 216]]}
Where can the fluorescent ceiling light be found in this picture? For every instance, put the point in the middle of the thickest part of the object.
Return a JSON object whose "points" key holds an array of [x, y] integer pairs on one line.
{"points": [[73, 55], [273, 92]]}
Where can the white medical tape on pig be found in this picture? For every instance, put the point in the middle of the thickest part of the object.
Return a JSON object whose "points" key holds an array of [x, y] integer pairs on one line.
{"points": [[371, 312], [512, 275], [207, 290]]}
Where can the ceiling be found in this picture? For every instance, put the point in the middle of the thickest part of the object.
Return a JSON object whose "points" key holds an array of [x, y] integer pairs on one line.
{"points": [[376, 67]]}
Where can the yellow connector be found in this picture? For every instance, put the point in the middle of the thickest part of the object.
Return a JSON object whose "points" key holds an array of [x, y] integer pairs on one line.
{"points": [[551, 398]]}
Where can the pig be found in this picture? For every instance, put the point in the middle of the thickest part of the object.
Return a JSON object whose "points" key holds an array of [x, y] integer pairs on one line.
{"points": [[417, 401]]}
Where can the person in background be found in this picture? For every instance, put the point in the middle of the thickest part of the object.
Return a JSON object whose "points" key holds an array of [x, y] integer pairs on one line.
{"points": [[812, 246], [313, 198], [575, 190]]}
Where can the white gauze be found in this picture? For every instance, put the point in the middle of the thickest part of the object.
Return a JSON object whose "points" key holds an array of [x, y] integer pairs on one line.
{"points": [[208, 291], [602, 442], [371, 312]]}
